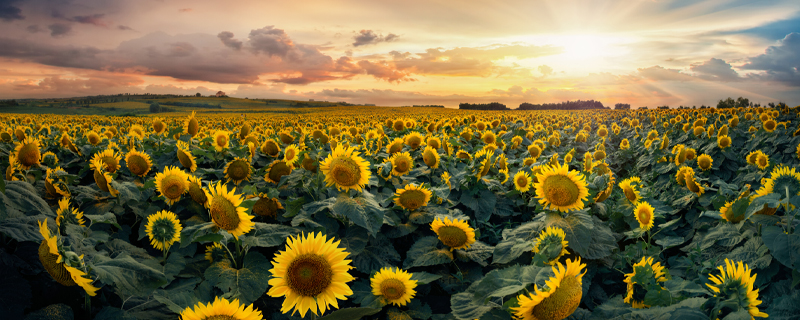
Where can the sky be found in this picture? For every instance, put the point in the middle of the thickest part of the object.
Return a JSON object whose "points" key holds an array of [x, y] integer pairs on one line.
{"points": [[412, 52]]}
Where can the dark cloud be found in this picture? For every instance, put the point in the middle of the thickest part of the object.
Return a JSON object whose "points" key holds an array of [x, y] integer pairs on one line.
{"points": [[34, 28], [229, 41], [365, 37], [781, 63], [271, 41], [94, 19], [715, 70], [60, 56], [124, 28], [59, 29], [9, 11]]}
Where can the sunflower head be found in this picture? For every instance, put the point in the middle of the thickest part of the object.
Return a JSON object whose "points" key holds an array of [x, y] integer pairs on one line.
{"points": [[561, 189], [65, 215], [238, 170], [102, 178], [630, 187], [551, 245], [221, 309], [172, 183], [644, 215], [704, 162], [395, 146], [412, 197], [277, 169], [110, 158], [734, 286], [431, 157], [762, 161], [271, 148], [723, 142], [216, 253], [522, 181], [558, 299], [191, 126], [28, 154], [393, 286], [646, 276], [226, 211], [185, 156], [346, 169], [456, 234], [164, 229], [196, 191], [138, 163], [266, 206]]}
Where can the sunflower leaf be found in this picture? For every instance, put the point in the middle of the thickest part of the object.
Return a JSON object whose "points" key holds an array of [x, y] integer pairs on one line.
{"points": [[362, 210], [127, 275], [246, 284], [425, 252], [269, 235], [784, 247], [350, 313]]}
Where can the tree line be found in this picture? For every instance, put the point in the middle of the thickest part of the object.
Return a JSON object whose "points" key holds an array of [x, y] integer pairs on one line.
{"points": [[566, 105]]}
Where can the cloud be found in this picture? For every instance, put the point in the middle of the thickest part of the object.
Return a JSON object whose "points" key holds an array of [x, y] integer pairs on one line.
{"points": [[781, 63], [124, 28], [545, 70], [466, 61], [89, 84], [9, 11], [270, 41], [715, 70], [60, 56], [185, 10], [35, 28], [59, 29], [229, 41], [94, 19], [384, 70], [365, 37], [659, 73]]}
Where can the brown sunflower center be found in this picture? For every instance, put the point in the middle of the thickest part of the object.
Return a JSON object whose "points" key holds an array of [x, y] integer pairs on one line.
{"points": [[452, 237], [309, 274], [220, 317], [414, 142], [55, 269], [401, 165], [173, 186], [412, 199], [392, 289], [137, 165], [28, 155], [561, 303], [224, 214], [309, 165], [289, 156], [286, 138], [94, 139], [704, 163], [111, 163], [762, 161], [644, 215], [158, 126], [770, 125], [522, 182], [265, 207], [561, 190], [278, 170], [239, 170], [629, 193], [222, 140], [270, 148], [345, 171]]}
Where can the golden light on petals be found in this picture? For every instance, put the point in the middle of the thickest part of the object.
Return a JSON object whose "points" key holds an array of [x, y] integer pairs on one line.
{"points": [[456, 234], [221, 309], [561, 189], [394, 286], [345, 169]]}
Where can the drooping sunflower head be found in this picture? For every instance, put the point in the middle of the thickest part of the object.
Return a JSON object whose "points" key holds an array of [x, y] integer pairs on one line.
{"points": [[291, 154], [164, 229], [412, 197], [185, 156], [49, 159], [630, 187], [216, 253], [752, 156], [704, 162], [522, 181], [60, 268], [102, 178], [431, 157], [172, 183], [636, 291], [110, 158], [53, 182], [276, 170], [394, 286], [271, 148], [191, 126], [551, 244], [456, 234], [558, 299], [196, 191], [221, 309], [644, 215], [226, 211], [735, 284], [138, 162], [65, 215], [693, 185], [346, 169], [561, 189], [266, 206], [27, 152], [238, 170], [312, 274]]}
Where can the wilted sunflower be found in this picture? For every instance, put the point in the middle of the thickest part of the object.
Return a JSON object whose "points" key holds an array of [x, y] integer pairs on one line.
{"points": [[311, 274], [456, 234], [238, 170], [561, 297], [65, 215], [110, 158], [271, 148], [560, 188], [393, 286], [216, 253], [644, 215], [630, 188], [704, 162], [102, 178], [522, 181], [138, 162], [266, 206], [735, 284], [191, 126], [49, 159], [27, 152], [226, 211], [172, 183], [276, 170], [431, 157], [345, 169], [636, 290], [56, 264], [185, 156], [412, 197], [52, 182], [290, 154], [552, 244], [164, 229], [221, 309]]}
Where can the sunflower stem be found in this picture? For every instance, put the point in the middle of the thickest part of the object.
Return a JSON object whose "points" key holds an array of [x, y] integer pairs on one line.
{"points": [[231, 255]]}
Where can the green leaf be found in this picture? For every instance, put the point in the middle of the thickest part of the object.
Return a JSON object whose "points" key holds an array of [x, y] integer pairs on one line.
{"points": [[478, 252], [24, 228], [724, 234], [423, 277], [111, 313], [22, 199], [362, 210], [784, 247], [350, 314], [464, 307], [355, 240], [377, 254], [196, 232], [107, 218], [269, 235], [516, 242], [246, 284], [128, 276], [753, 253], [425, 252], [482, 203]]}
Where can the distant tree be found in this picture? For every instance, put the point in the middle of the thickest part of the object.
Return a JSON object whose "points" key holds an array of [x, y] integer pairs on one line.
{"points": [[643, 108], [742, 102], [482, 106], [727, 103], [567, 105], [198, 94], [622, 106], [663, 107], [155, 107]]}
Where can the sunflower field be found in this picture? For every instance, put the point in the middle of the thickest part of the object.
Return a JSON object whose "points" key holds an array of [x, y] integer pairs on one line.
{"points": [[402, 213]]}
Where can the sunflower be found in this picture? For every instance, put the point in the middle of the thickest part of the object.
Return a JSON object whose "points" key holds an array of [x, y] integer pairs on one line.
{"points": [[395, 146], [185, 156], [226, 211], [56, 265], [630, 188], [238, 170], [102, 178], [561, 297], [138, 162], [345, 169], [311, 274], [644, 215], [446, 179], [683, 172], [624, 145], [522, 181], [49, 159], [535, 151], [635, 294], [221, 309], [271, 148], [704, 162], [93, 138], [191, 126], [762, 161], [723, 142], [276, 170], [552, 244], [164, 229], [65, 215], [735, 284], [266, 206], [27, 152], [412, 197], [136, 131], [456, 234], [52, 182], [393, 286], [413, 140], [221, 140], [290, 154], [172, 183], [196, 191], [431, 157], [216, 253], [693, 186], [770, 125], [560, 188], [110, 158]]}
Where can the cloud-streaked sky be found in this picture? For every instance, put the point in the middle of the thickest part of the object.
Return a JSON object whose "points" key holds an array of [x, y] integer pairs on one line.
{"points": [[386, 52]]}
